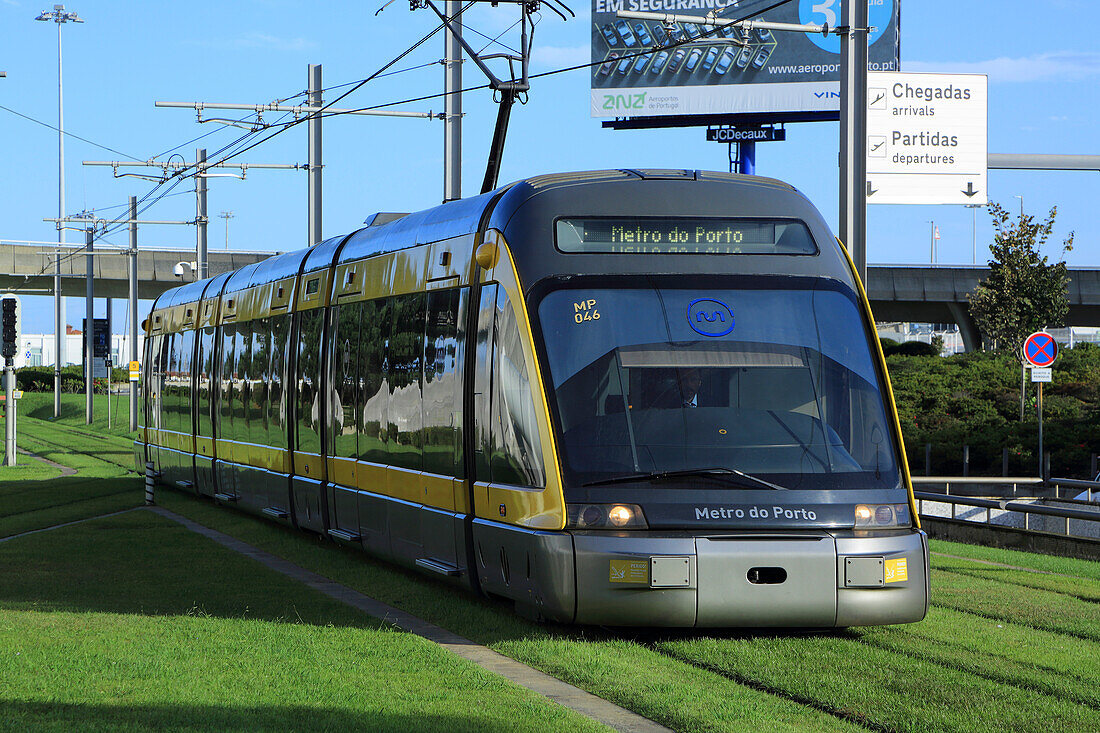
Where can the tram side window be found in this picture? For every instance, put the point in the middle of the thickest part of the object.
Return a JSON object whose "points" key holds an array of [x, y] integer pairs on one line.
{"points": [[165, 381], [443, 382], [206, 372], [146, 380], [406, 354], [186, 350], [308, 380], [345, 340], [243, 369], [373, 399], [516, 452], [225, 403], [154, 391], [483, 380], [258, 381], [171, 400], [276, 408]]}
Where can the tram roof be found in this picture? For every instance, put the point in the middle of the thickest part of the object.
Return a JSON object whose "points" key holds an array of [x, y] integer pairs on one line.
{"points": [[625, 191]]}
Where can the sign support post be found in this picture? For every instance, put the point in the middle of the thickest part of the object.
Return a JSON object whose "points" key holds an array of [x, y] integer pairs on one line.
{"points": [[1039, 403], [89, 345], [1040, 350], [853, 133]]}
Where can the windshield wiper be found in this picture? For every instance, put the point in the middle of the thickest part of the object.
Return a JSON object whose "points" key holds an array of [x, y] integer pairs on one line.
{"points": [[726, 475]]}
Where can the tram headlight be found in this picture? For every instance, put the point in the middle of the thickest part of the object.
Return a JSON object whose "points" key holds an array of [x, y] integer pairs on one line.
{"points": [[605, 516], [882, 515], [620, 515]]}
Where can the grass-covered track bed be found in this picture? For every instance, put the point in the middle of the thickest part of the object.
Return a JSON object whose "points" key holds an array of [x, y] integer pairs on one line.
{"points": [[1012, 642], [34, 495], [985, 642], [134, 623]]}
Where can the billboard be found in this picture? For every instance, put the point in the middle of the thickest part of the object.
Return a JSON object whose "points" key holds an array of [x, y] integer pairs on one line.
{"points": [[775, 71]]}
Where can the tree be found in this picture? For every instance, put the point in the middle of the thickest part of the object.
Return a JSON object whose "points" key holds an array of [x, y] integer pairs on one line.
{"points": [[1023, 293]]}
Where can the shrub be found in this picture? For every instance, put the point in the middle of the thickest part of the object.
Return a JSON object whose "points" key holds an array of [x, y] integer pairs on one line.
{"points": [[914, 348]]}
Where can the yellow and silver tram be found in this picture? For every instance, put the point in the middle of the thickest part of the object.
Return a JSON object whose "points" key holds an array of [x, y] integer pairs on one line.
{"points": [[633, 397]]}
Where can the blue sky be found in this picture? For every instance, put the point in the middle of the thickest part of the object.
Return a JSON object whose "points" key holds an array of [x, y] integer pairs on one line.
{"points": [[1041, 59]]}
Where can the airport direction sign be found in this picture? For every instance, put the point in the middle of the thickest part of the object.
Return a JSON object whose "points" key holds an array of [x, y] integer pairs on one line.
{"points": [[1040, 350], [926, 138]]}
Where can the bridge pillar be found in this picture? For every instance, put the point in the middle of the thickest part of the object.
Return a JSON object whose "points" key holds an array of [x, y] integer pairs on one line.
{"points": [[968, 329]]}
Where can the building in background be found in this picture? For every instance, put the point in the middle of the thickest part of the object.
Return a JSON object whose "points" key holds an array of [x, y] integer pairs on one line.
{"points": [[37, 349]]}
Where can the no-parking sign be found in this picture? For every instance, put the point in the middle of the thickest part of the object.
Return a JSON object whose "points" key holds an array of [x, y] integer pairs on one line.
{"points": [[1040, 349]]}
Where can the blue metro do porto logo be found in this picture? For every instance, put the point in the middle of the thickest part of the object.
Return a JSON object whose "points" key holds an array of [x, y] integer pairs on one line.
{"points": [[710, 317]]}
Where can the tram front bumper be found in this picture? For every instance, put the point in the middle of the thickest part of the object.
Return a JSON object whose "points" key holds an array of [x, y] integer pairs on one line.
{"points": [[803, 580]]}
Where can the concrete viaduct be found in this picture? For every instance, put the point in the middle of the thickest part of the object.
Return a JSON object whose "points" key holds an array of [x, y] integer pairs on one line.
{"points": [[937, 294]]}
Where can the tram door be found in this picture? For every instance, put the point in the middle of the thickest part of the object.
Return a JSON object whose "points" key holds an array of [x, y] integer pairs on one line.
{"points": [[343, 379]]}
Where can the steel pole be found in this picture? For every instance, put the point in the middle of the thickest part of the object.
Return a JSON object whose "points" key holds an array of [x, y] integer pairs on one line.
{"points": [[314, 124], [110, 363], [89, 324], [132, 275], [452, 117], [9, 419], [974, 231], [200, 212], [853, 133], [58, 301], [746, 153]]}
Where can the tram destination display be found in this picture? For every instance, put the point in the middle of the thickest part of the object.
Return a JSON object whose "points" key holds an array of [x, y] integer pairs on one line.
{"points": [[644, 68], [646, 235]]}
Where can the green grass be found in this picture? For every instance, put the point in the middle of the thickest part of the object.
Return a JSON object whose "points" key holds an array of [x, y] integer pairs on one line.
{"points": [[39, 406], [133, 622], [1002, 648], [881, 687], [1085, 589], [1047, 563], [34, 495]]}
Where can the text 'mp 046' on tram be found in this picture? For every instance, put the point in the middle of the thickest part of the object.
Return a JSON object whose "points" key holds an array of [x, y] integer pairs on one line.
{"points": [[649, 398]]}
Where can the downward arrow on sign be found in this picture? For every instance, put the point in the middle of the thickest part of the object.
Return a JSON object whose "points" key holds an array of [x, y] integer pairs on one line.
{"points": [[970, 190]]}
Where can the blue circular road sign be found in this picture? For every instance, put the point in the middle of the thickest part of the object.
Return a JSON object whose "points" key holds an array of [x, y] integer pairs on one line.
{"points": [[1040, 349]]}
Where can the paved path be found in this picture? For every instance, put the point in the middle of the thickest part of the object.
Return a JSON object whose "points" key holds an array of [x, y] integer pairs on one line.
{"points": [[65, 470], [66, 524]]}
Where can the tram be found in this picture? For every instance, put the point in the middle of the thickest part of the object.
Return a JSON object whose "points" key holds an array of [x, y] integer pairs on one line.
{"points": [[624, 397]]}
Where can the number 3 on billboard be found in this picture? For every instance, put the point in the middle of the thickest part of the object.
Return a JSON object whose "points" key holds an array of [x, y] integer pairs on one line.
{"points": [[826, 9]]}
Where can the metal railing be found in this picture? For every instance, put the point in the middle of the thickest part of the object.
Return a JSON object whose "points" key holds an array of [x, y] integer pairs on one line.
{"points": [[1006, 505], [947, 481], [1054, 488], [1091, 487]]}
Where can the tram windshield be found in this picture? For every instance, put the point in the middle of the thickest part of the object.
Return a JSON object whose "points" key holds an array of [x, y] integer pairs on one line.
{"points": [[776, 383]]}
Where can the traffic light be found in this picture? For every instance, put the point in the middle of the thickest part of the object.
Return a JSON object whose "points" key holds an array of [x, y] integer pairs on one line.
{"points": [[10, 334]]}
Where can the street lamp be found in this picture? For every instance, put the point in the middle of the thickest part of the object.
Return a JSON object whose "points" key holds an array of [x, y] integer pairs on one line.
{"points": [[1021, 206], [227, 215], [933, 235], [59, 16]]}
